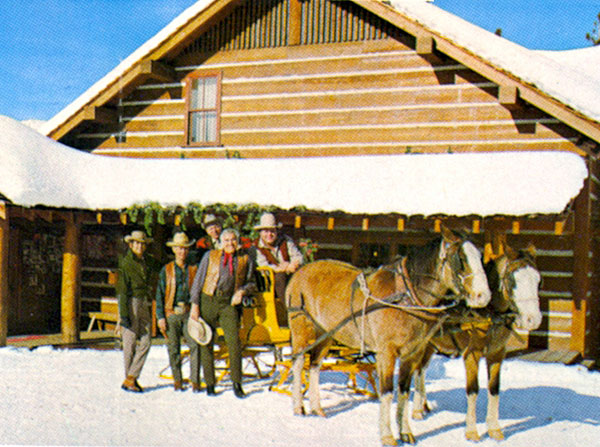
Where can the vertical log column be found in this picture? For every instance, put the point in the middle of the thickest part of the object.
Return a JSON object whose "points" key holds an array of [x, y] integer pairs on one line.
{"points": [[4, 229], [71, 282], [581, 282]]}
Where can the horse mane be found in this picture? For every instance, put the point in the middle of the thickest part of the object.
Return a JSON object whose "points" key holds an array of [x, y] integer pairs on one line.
{"points": [[421, 261], [493, 277]]}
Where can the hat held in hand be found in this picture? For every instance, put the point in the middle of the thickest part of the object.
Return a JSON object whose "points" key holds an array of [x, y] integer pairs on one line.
{"points": [[199, 330]]}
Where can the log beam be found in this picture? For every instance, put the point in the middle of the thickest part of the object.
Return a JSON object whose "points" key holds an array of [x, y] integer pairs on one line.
{"points": [[71, 281], [102, 115], [508, 96], [424, 44], [157, 70], [4, 298]]}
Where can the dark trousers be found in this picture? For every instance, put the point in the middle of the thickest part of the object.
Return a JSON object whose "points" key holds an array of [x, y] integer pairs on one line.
{"points": [[176, 328], [218, 312], [281, 280]]}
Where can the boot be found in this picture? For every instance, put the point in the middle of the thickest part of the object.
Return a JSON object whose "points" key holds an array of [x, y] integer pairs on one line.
{"points": [[177, 385], [130, 384], [196, 388], [138, 386], [238, 391], [210, 390]]}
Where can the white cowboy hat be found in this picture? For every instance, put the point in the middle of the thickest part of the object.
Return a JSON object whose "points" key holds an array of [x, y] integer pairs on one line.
{"points": [[211, 219], [267, 220], [138, 236], [180, 240], [199, 330]]}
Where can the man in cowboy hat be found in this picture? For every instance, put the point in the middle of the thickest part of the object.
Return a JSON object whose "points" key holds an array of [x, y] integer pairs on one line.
{"points": [[224, 276], [134, 293], [173, 309], [213, 226], [278, 252]]}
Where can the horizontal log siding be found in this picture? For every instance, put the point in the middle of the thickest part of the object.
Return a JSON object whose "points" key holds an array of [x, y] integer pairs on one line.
{"points": [[378, 97]]}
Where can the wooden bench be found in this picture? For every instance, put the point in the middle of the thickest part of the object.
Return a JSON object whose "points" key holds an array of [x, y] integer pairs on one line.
{"points": [[109, 313]]}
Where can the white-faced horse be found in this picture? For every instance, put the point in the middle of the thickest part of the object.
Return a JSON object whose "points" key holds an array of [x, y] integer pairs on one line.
{"points": [[389, 313], [514, 281]]}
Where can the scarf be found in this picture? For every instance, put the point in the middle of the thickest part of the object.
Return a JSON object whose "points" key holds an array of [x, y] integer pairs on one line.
{"points": [[228, 261]]}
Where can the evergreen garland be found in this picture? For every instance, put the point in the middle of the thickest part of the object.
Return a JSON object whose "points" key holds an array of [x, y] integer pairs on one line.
{"points": [[152, 212]]}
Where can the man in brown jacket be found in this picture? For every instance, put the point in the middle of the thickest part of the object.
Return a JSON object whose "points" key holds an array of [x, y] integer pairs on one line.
{"points": [[173, 310]]}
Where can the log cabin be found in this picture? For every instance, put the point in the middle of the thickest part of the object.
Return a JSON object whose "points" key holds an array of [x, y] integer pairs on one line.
{"points": [[284, 79]]}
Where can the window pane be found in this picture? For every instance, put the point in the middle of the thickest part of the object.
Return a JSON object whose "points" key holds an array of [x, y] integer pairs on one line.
{"points": [[196, 94], [196, 128], [211, 126], [210, 93], [203, 127]]}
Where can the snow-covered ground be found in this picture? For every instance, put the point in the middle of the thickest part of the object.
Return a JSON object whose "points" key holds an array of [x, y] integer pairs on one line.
{"points": [[73, 397]]}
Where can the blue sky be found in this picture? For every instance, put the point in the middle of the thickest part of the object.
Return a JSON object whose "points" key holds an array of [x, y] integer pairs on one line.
{"points": [[53, 50]]}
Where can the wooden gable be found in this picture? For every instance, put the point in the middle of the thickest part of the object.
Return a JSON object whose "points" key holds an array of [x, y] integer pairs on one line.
{"points": [[318, 77]]}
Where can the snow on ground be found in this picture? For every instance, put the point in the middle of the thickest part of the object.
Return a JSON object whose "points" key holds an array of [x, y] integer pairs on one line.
{"points": [[73, 397]]}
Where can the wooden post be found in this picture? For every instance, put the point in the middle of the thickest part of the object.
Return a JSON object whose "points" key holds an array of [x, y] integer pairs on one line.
{"points": [[4, 230], [71, 281], [581, 268], [295, 23]]}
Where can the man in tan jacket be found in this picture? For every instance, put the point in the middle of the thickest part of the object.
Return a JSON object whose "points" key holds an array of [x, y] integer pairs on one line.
{"points": [[224, 276]]}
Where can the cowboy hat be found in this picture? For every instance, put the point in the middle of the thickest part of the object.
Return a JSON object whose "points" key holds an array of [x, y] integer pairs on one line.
{"points": [[138, 236], [211, 219], [199, 330], [180, 239], [267, 220]]}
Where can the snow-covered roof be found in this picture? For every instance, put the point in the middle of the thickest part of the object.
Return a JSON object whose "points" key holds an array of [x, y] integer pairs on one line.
{"points": [[36, 170], [564, 75], [566, 78]]}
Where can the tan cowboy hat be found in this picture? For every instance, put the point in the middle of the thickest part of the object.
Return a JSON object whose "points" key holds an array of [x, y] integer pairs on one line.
{"points": [[267, 220], [180, 240], [211, 219], [199, 330], [138, 236]]}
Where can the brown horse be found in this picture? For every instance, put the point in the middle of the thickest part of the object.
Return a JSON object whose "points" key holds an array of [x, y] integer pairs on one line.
{"points": [[389, 313], [514, 281]]}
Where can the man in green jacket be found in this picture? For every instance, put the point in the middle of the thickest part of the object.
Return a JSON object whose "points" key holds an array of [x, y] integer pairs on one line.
{"points": [[134, 294]]}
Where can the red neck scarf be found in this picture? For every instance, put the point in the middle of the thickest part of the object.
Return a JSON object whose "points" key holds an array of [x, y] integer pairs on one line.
{"points": [[228, 260]]}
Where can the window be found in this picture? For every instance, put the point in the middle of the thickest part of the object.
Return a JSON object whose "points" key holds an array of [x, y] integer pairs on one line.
{"points": [[203, 110]]}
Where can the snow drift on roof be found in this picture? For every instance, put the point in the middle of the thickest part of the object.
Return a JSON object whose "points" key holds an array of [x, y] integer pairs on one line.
{"points": [[35, 170]]}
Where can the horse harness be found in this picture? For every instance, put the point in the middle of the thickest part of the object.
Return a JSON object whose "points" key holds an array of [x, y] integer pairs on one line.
{"points": [[406, 300]]}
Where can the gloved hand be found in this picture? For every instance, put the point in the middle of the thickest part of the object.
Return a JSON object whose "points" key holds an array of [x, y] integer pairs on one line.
{"points": [[126, 322]]}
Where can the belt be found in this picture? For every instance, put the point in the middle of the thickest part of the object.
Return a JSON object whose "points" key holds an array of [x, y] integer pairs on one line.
{"points": [[181, 308]]}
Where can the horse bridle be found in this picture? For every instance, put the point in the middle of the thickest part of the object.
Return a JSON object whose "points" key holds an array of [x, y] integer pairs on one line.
{"points": [[508, 282], [457, 265]]}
